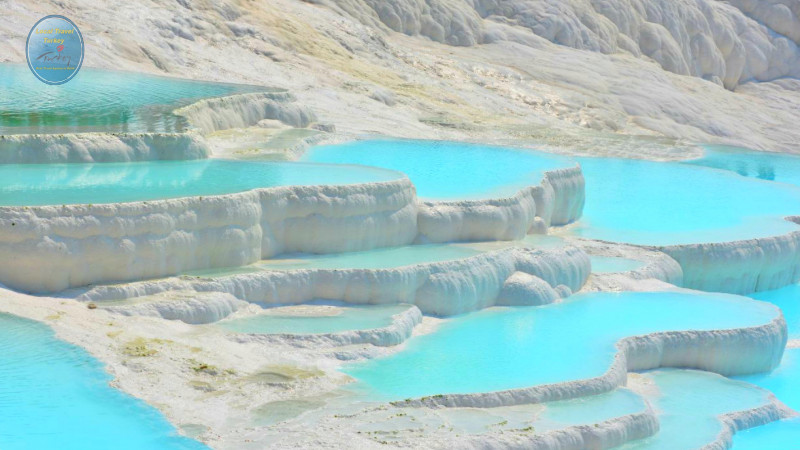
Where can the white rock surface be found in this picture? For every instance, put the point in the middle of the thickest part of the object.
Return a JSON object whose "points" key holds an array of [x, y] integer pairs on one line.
{"points": [[57, 247], [100, 147], [189, 307]]}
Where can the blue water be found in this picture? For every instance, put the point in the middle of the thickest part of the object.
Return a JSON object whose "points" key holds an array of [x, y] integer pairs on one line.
{"points": [[788, 300], [688, 404], [505, 348], [780, 435], [57, 184], [764, 165], [447, 170], [54, 395], [99, 100], [784, 381], [608, 264], [662, 203], [346, 318]]}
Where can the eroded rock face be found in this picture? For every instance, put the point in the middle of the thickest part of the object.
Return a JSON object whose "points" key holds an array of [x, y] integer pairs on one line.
{"points": [[728, 43]]}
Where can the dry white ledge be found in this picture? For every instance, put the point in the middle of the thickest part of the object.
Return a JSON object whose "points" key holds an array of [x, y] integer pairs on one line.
{"points": [[726, 352], [441, 288]]}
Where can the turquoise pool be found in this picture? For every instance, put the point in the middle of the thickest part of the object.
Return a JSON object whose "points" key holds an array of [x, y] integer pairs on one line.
{"points": [[54, 395], [784, 381], [688, 404], [788, 300], [447, 170], [99, 100], [315, 319], [768, 166], [662, 203], [57, 184], [481, 351], [772, 436]]}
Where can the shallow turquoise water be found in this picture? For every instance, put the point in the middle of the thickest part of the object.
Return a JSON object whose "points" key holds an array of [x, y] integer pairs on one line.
{"points": [[57, 184], [505, 348], [349, 318], [382, 258], [780, 435], [764, 165], [662, 203], [608, 264], [788, 300], [99, 100], [784, 381], [447, 170], [54, 395], [688, 404]]}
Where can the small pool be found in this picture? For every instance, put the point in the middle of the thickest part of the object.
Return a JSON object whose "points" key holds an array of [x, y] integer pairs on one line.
{"points": [[612, 264], [382, 258], [315, 319], [54, 395], [788, 300], [447, 170], [784, 381], [100, 100], [768, 166], [664, 203], [507, 348], [688, 404], [58, 184]]}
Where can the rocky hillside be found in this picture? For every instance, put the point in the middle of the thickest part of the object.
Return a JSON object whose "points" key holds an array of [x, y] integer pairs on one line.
{"points": [[585, 75]]}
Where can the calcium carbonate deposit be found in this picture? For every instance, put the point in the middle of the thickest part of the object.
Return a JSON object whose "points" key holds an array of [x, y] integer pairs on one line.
{"points": [[538, 224]]}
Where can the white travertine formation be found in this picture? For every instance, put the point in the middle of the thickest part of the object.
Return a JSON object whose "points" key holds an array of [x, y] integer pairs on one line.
{"points": [[740, 267], [398, 332], [189, 307], [58, 247], [604, 435], [727, 352], [244, 110], [728, 43], [742, 420], [442, 288], [100, 147], [557, 200]]}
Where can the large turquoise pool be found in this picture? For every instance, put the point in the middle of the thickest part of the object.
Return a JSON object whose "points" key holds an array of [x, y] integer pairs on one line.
{"points": [[664, 203], [54, 395], [58, 184], [447, 170], [784, 381], [507, 348], [99, 100]]}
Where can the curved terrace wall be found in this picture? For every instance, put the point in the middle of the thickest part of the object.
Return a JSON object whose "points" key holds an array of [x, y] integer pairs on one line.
{"points": [[100, 147], [439, 288], [58, 247], [557, 200], [726, 352], [740, 267]]}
